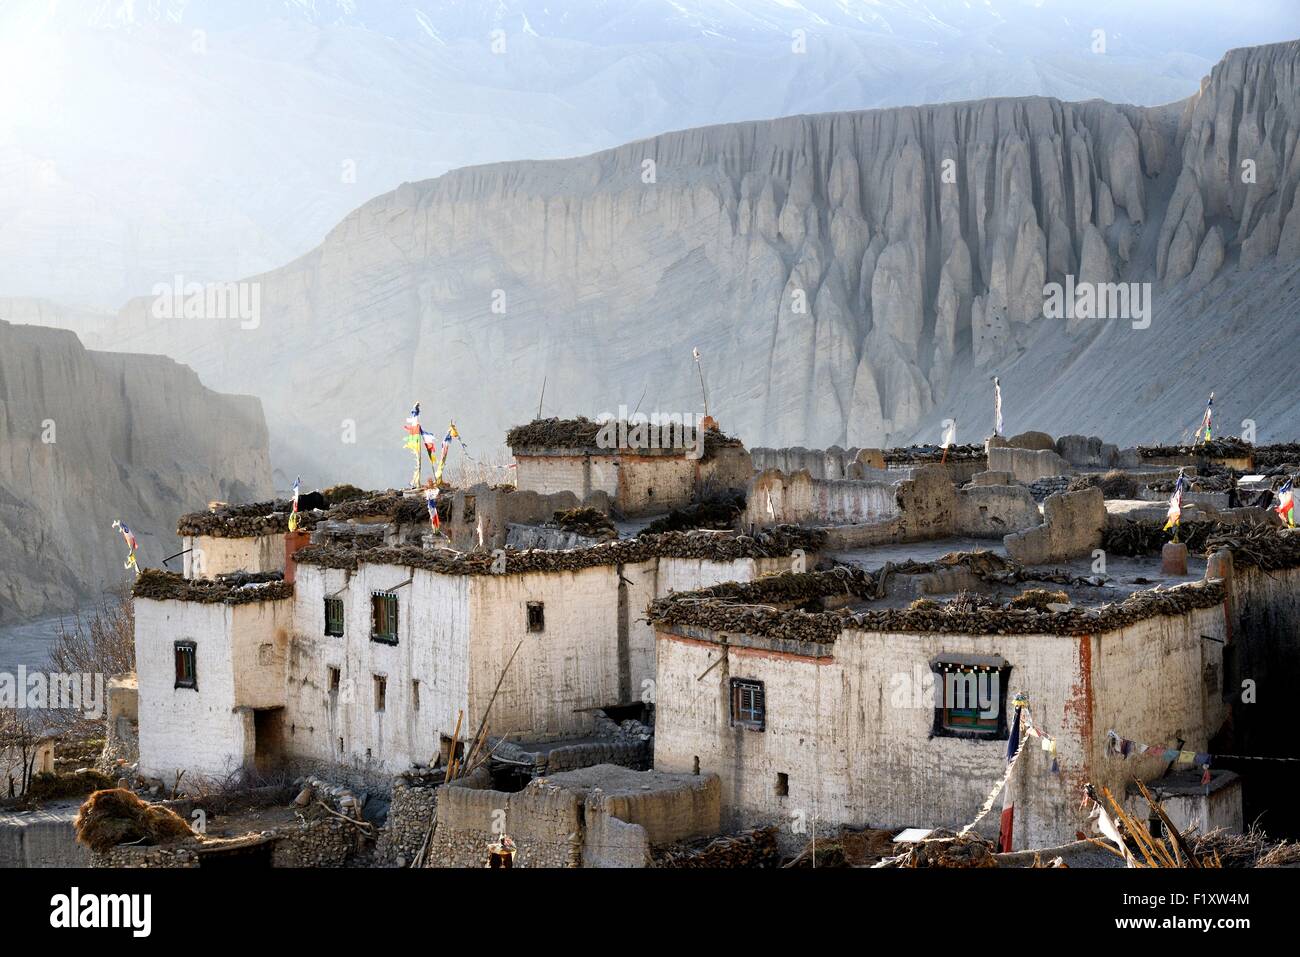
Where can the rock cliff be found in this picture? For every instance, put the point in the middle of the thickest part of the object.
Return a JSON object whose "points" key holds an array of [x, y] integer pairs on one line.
{"points": [[850, 278], [90, 437]]}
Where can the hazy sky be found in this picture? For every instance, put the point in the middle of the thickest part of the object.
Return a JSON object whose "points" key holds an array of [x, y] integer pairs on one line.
{"points": [[219, 138]]}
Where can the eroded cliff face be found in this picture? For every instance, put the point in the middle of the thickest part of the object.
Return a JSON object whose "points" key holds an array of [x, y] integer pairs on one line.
{"points": [[849, 277], [90, 437]]}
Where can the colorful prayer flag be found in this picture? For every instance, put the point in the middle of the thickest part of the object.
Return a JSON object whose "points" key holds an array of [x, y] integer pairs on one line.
{"points": [[1286, 503], [1175, 513], [1008, 798], [1207, 419], [431, 500], [293, 516], [131, 545]]}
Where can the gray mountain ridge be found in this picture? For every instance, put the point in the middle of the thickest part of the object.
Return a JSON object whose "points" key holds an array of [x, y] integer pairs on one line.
{"points": [[917, 290], [89, 438]]}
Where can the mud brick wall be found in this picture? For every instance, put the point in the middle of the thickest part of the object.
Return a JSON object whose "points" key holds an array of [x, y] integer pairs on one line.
{"points": [[544, 822]]}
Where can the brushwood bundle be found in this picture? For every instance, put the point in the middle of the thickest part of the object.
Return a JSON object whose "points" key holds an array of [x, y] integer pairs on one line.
{"points": [[237, 589], [776, 542], [922, 454]]}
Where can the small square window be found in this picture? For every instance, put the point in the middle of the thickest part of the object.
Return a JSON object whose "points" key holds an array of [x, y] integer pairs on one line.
{"points": [[186, 653], [335, 677], [782, 784], [470, 509], [334, 617], [383, 618], [381, 692], [971, 698], [536, 616], [748, 704]]}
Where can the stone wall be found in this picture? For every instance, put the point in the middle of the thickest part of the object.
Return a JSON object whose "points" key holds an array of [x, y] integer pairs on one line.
{"points": [[926, 505], [1072, 526], [1028, 464], [322, 842], [601, 816], [41, 838], [544, 822], [410, 816], [499, 507]]}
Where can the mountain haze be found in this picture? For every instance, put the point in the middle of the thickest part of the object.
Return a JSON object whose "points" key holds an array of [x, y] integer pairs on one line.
{"points": [[89, 438], [220, 138], [917, 291]]}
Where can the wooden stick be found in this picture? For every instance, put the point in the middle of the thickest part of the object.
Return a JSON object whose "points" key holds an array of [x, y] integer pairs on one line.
{"points": [[455, 739], [492, 700]]}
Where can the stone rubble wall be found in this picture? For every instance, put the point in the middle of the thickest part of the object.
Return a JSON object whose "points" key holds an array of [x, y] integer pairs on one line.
{"points": [[410, 816]]}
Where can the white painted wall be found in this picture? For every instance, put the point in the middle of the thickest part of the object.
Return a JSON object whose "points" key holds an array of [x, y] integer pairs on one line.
{"points": [[194, 730], [208, 556], [856, 754], [431, 649]]}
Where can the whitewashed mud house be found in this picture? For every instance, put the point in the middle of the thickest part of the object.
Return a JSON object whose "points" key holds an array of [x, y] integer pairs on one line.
{"points": [[812, 702], [643, 468], [373, 641]]}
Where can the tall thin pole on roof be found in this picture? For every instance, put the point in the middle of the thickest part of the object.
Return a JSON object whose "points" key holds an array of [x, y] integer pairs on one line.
{"points": [[700, 368], [541, 397]]}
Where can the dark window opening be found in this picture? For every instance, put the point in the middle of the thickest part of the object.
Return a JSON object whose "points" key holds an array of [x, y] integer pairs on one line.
{"points": [[782, 784], [970, 700], [340, 745], [415, 695], [470, 509], [536, 616], [186, 665], [445, 749], [335, 677], [334, 617], [748, 707], [383, 618], [381, 692]]}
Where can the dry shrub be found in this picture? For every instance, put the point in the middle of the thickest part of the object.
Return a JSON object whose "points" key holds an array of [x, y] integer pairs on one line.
{"points": [[118, 816], [1039, 598]]}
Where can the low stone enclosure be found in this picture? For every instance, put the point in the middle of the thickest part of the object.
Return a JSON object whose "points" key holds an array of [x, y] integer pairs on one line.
{"points": [[601, 816], [827, 651]]}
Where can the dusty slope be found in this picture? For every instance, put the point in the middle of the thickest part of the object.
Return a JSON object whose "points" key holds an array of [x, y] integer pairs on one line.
{"points": [[917, 289], [136, 438]]}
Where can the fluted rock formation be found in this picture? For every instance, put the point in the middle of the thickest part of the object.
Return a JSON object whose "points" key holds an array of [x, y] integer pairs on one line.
{"points": [[90, 437], [851, 278]]}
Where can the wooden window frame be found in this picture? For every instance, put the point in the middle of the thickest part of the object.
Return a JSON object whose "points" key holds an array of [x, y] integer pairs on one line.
{"points": [[943, 726], [342, 618], [181, 649], [388, 600], [751, 715]]}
